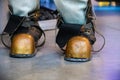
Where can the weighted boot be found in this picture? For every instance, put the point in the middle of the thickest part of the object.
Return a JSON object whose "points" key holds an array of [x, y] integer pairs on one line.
{"points": [[76, 33], [24, 41], [23, 28]]}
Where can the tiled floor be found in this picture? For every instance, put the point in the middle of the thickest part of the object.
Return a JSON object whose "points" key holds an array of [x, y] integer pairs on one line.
{"points": [[49, 62]]}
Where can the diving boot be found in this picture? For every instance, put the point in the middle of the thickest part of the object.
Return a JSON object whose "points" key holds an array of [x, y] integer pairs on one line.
{"points": [[23, 28], [24, 42], [76, 33]]}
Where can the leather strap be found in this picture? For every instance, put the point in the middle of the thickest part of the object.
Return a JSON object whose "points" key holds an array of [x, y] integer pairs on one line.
{"points": [[43, 42], [13, 24]]}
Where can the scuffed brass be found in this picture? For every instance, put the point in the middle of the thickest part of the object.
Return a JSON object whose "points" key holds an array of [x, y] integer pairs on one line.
{"points": [[22, 44], [78, 47]]}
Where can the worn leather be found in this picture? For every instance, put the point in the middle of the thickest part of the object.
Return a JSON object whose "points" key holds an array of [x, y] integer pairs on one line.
{"points": [[23, 7], [72, 11]]}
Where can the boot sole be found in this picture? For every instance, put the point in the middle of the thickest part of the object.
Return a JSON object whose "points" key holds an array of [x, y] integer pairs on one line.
{"points": [[77, 59], [22, 55]]}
